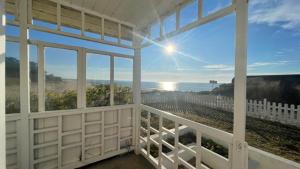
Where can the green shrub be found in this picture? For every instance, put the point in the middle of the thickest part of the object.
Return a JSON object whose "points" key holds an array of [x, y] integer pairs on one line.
{"points": [[12, 105], [61, 101], [98, 95], [122, 95]]}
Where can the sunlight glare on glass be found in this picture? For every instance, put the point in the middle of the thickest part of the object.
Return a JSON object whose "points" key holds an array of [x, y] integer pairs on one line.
{"points": [[168, 86], [170, 48]]}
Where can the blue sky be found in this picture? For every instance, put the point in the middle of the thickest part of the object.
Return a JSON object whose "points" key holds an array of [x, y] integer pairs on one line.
{"points": [[208, 51], [205, 53]]}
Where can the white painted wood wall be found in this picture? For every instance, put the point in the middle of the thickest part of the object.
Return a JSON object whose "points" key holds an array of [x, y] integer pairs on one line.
{"points": [[71, 138]]}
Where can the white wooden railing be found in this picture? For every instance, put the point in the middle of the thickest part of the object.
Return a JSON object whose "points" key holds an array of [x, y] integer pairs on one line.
{"points": [[205, 158], [263, 109], [180, 154]]}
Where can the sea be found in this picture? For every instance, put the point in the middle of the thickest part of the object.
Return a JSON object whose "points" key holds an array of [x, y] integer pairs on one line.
{"points": [[178, 86], [166, 86]]}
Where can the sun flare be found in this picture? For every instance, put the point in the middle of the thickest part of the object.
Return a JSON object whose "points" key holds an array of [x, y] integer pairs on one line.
{"points": [[168, 86], [170, 48]]}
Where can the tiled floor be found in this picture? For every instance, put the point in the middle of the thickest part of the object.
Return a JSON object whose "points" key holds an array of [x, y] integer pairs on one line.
{"points": [[126, 161]]}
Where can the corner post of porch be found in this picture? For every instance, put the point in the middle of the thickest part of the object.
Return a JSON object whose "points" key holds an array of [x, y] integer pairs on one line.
{"points": [[2, 86], [137, 88], [24, 85], [240, 155]]}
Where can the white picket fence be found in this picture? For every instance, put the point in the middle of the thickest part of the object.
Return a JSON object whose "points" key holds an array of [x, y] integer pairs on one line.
{"points": [[278, 112]]}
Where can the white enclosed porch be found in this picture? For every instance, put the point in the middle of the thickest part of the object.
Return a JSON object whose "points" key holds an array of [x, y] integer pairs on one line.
{"points": [[80, 135]]}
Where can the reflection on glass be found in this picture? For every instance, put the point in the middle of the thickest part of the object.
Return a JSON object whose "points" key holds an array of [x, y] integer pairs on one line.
{"points": [[98, 80], [61, 79], [33, 78], [168, 86], [12, 78], [123, 81]]}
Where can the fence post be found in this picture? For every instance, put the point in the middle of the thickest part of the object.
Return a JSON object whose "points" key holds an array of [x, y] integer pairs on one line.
{"points": [[298, 116], [276, 111], [279, 112], [269, 110], [255, 112], [265, 108], [291, 118], [260, 109], [285, 113]]}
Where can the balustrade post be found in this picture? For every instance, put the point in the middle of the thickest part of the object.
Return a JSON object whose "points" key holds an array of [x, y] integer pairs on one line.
{"points": [[292, 115], [239, 160], [137, 90], [265, 107], [176, 150]]}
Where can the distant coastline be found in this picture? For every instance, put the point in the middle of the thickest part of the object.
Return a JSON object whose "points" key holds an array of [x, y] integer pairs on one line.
{"points": [[175, 86]]}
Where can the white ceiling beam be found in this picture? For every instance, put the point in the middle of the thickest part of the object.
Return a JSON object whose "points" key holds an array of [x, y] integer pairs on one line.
{"points": [[119, 33], [82, 23], [200, 9], [177, 18], [58, 16], [38, 28]]}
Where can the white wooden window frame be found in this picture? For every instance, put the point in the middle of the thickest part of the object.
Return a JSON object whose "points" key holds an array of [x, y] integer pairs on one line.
{"points": [[201, 20], [2, 86], [82, 36], [81, 69]]}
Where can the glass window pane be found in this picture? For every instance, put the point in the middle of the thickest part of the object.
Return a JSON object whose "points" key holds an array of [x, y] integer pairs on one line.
{"points": [[126, 35], [98, 80], [61, 79], [33, 57], [123, 81], [70, 20], [93, 26], [12, 73], [111, 31], [155, 31], [189, 13], [44, 13], [212, 6], [170, 23], [12, 31], [11, 9]]}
